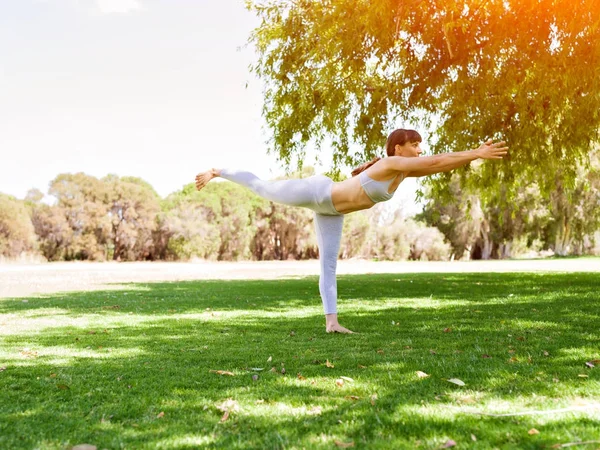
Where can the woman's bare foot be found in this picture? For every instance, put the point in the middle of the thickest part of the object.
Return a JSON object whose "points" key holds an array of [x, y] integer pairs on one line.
{"points": [[338, 329], [332, 325], [203, 178]]}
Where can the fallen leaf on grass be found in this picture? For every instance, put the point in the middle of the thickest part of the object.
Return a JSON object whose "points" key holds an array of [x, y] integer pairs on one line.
{"points": [[2, 369], [352, 397], [421, 374], [344, 444], [64, 387], [228, 406], [315, 411], [473, 438], [52, 375], [456, 381], [447, 330], [582, 375], [486, 356], [270, 359], [28, 353], [467, 400], [533, 431], [380, 351], [300, 377], [160, 415], [84, 447], [373, 398], [433, 352], [339, 382], [328, 364], [360, 366], [449, 443], [347, 379], [222, 372], [591, 364]]}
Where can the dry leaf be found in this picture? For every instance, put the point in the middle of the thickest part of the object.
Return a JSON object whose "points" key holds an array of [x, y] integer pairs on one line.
{"points": [[273, 369], [328, 364], [433, 352], [28, 353], [347, 379], [64, 387], [380, 351], [2, 369], [160, 415], [449, 443], [225, 416], [84, 447], [520, 338], [486, 356], [360, 366], [222, 372], [456, 381], [473, 438], [468, 400], [513, 359], [339, 382], [533, 431], [421, 374], [52, 375], [447, 330], [352, 397], [373, 398], [270, 359], [344, 444], [545, 353], [582, 375], [300, 377], [315, 411]]}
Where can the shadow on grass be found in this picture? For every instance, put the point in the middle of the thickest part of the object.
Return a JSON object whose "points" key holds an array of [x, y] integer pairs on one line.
{"points": [[100, 367]]}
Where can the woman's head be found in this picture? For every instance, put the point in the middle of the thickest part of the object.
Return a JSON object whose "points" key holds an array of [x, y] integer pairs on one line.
{"points": [[401, 137]]}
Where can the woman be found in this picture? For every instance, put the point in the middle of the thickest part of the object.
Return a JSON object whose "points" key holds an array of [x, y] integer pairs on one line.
{"points": [[376, 182]]}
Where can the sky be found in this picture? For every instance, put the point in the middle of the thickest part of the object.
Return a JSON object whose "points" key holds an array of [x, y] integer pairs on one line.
{"points": [[157, 89]]}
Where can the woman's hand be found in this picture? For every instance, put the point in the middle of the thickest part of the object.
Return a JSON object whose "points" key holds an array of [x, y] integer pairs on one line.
{"points": [[491, 150]]}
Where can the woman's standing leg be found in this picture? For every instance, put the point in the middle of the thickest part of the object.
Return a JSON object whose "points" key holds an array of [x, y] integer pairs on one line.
{"points": [[329, 236]]}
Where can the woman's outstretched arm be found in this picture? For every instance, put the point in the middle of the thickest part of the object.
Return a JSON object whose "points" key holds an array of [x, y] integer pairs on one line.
{"points": [[428, 165]]}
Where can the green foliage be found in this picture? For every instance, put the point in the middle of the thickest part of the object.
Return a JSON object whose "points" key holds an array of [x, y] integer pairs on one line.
{"points": [[348, 70]]}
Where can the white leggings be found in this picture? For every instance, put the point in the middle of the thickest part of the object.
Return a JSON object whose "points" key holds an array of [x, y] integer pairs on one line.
{"points": [[313, 193]]}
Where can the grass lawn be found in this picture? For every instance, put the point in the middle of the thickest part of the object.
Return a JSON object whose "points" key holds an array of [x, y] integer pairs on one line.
{"points": [[137, 368]]}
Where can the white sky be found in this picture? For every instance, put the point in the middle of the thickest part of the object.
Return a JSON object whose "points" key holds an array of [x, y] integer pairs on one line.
{"points": [[148, 88]]}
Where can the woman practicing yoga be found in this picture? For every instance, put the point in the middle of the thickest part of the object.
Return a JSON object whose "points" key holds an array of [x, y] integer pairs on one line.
{"points": [[376, 182]]}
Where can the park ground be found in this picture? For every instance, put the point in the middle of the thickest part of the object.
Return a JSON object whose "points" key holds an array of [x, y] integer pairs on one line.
{"points": [[483, 355]]}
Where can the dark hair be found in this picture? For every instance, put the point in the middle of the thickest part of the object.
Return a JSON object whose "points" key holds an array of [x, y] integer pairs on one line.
{"points": [[396, 137]]}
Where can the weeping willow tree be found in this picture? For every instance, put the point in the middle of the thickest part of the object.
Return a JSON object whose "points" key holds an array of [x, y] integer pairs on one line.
{"points": [[346, 71]]}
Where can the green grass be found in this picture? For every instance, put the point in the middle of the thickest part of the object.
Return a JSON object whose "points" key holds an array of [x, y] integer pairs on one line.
{"points": [[101, 367]]}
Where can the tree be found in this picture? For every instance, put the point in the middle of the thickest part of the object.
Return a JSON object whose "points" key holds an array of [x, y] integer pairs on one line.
{"points": [[132, 206], [81, 198], [17, 235], [526, 71]]}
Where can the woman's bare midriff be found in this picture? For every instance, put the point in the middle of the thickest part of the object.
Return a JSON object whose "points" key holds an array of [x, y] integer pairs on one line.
{"points": [[349, 196]]}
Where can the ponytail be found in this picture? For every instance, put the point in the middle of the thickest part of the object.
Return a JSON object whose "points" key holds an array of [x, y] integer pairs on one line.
{"points": [[364, 167]]}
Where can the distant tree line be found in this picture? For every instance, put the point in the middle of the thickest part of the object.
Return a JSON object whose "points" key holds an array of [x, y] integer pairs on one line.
{"points": [[124, 219]]}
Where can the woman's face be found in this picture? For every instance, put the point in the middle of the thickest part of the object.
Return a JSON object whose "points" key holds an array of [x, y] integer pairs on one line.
{"points": [[410, 149]]}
